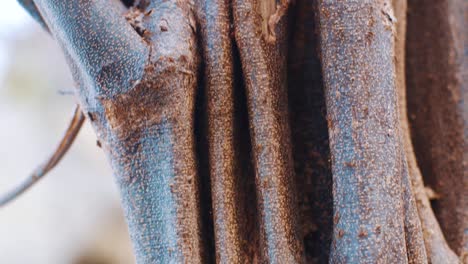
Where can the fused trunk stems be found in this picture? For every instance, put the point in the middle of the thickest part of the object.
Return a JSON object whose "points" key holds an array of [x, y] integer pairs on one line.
{"points": [[361, 196], [235, 239], [435, 244], [263, 58]]}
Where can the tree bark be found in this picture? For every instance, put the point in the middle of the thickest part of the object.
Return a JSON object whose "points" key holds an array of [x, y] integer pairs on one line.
{"points": [[437, 249], [234, 217], [140, 95], [260, 33], [251, 131], [360, 89], [436, 72]]}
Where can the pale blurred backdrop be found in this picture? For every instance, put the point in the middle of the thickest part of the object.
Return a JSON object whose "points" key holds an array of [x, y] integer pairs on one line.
{"points": [[73, 215]]}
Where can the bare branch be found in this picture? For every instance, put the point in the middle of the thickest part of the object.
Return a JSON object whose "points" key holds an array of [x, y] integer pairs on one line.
{"points": [[67, 140]]}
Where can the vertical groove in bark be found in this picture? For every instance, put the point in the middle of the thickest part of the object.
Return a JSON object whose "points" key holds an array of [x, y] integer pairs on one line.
{"points": [[234, 222], [203, 165], [436, 94], [435, 244], [359, 78], [310, 135], [413, 231], [415, 246], [264, 69]]}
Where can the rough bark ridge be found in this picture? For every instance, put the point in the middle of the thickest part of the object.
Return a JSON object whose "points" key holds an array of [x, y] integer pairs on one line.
{"points": [[250, 131]]}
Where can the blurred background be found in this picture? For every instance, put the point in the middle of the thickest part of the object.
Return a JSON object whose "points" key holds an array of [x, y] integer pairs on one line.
{"points": [[73, 215]]}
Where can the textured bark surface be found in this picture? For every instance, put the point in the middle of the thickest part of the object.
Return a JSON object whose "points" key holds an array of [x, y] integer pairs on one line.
{"points": [[263, 57], [232, 178], [436, 246], [140, 97], [252, 131], [368, 187]]}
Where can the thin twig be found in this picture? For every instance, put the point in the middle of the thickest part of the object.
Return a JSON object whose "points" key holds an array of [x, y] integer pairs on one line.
{"points": [[67, 140]]}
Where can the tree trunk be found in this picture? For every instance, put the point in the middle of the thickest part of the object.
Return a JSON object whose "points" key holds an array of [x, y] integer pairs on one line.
{"points": [[261, 131]]}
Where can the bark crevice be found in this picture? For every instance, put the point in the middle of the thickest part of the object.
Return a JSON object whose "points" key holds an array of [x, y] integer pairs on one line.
{"points": [[249, 131]]}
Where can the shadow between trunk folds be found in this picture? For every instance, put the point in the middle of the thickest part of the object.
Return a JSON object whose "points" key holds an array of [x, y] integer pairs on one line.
{"points": [[310, 134], [436, 91]]}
